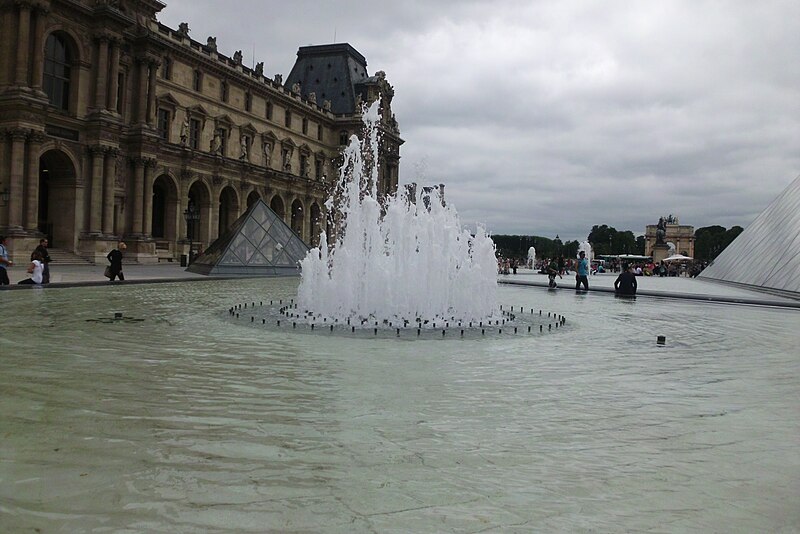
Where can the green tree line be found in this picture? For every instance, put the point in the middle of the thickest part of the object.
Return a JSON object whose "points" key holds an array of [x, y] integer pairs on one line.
{"points": [[607, 240]]}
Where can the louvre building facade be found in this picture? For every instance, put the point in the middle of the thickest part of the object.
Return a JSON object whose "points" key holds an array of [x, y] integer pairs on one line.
{"points": [[115, 126]]}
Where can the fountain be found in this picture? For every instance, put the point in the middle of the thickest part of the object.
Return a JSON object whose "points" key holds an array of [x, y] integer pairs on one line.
{"points": [[587, 248], [402, 259], [531, 258]]}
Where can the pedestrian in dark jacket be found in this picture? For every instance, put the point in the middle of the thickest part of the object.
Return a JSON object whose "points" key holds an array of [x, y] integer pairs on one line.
{"points": [[115, 257], [625, 284]]}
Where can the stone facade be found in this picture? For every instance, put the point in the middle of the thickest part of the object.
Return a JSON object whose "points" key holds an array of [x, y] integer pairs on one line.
{"points": [[112, 125]]}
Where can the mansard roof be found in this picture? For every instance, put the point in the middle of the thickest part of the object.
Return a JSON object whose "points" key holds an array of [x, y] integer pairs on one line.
{"points": [[331, 72]]}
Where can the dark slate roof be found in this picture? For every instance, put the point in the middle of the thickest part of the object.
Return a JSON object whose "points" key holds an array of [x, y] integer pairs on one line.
{"points": [[332, 72]]}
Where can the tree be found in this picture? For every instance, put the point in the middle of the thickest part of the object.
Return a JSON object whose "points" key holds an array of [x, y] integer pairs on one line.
{"points": [[640, 245], [606, 240], [516, 246], [709, 241]]}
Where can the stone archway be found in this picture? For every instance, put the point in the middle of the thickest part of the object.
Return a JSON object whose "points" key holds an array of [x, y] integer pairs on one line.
{"points": [[252, 198], [276, 205], [316, 224], [200, 199], [165, 208], [297, 218], [228, 209], [57, 200]]}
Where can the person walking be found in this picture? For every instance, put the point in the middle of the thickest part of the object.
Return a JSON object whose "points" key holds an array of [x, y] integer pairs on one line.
{"points": [[552, 271], [582, 272], [625, 284], [115, 257], [5, 263], [42, 250], [35, 269]]}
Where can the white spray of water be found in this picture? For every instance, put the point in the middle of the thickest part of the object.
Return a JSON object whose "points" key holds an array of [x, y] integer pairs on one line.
{"points": [[587, 248], [411, 261], [532, 258]]}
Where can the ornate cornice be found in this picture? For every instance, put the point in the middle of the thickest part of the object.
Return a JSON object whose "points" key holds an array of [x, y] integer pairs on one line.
{"points": [[18, 134]]}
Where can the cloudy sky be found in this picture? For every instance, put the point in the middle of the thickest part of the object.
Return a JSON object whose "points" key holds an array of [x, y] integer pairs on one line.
{"points": [[546, 117]]}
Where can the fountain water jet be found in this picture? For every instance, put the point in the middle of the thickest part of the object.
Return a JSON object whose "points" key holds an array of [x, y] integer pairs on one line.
{"points": [[405, 260]]}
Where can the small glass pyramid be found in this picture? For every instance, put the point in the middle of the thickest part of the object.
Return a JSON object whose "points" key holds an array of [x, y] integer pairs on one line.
{"points": [[259, 243]]}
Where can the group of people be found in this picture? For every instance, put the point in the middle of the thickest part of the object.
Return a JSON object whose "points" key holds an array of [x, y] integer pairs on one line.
{"points": [[558, 267], [39, 267]]}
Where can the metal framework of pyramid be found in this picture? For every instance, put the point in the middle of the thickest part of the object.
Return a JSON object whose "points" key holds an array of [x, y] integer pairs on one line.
{"points": [[258, 243], [767, 254]]}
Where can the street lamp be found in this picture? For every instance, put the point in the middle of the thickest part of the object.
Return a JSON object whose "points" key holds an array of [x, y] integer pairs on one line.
{"points": [[191, 215]]}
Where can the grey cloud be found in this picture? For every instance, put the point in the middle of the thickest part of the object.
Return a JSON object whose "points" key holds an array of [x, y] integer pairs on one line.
{"points": [[549, 117]]}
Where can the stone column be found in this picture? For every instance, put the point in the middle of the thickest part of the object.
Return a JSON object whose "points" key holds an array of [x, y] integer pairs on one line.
{"points": [[151, 93], [113, 85], [141, 104], [15, 201], [96, 197], [102, 73], [212, 220], [109, 181], [38, 47], [138, 194], [35, 141], [23, 38], [147, 227]]}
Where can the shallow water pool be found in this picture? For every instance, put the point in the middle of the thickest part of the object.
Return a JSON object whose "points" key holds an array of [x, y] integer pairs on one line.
{"points": [[176, 419]]}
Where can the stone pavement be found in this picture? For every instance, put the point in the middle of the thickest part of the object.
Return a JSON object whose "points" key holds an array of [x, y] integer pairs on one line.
{"points": [[86, 275]]}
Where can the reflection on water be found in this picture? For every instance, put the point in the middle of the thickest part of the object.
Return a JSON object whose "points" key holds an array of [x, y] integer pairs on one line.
{"points": [[185, 422]]}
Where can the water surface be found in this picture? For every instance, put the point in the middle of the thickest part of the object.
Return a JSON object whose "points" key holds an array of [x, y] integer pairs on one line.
{"points": [[185, 421]]}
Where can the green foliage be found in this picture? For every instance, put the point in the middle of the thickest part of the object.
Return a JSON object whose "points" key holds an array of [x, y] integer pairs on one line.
{"points": [[516, 246], [709, 241], [607, 240], [640, 245]]}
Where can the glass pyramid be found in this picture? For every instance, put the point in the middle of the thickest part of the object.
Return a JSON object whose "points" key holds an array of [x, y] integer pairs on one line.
{"points": [[258, 243], [767, 254]]}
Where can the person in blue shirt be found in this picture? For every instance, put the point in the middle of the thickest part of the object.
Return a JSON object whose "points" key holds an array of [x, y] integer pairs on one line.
{"points": [[582, 274], [5, 262]]}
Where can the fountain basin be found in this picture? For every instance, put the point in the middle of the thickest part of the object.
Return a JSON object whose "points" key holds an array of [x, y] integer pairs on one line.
{"points": [[186, 421]]}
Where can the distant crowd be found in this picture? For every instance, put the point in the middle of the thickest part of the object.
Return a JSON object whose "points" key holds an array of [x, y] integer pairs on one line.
{"points": [[567, 265]]}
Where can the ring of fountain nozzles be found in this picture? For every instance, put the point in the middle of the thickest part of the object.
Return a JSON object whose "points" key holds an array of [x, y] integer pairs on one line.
{"points": [[286, 315]]}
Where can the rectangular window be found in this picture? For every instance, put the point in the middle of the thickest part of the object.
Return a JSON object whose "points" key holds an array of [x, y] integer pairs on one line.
{"points": [[318, 170], [166, 68], [223, 91], [305, 126], [304, 166], [197, 81], [319, 132], [194, 133], [248, 101], [269, 111], [120, 91], [163, 124], [287, 119]]}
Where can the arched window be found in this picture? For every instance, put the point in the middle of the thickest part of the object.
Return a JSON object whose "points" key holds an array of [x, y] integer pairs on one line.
{"points": [[57, 71]]}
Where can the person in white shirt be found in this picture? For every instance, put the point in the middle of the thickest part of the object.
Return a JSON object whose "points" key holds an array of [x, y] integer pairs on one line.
{"points": [[36, 270]]}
